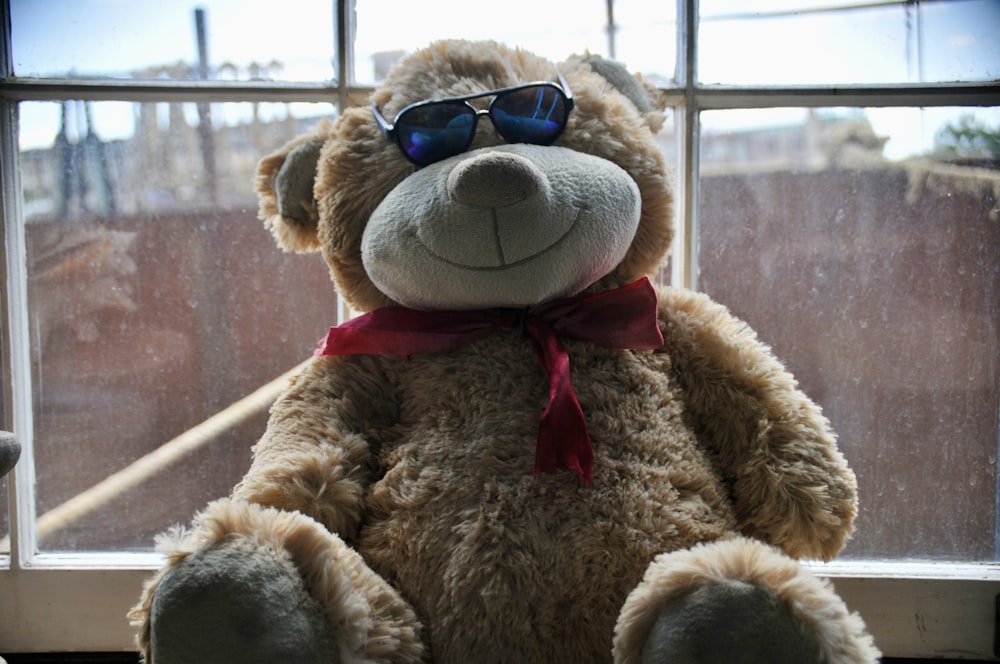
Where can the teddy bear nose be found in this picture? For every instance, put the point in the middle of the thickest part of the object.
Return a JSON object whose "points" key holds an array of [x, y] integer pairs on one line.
{"points": [[494, 179]]}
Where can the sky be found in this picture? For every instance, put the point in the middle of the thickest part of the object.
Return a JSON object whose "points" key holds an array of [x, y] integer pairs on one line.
{"points": [[947, 40]]}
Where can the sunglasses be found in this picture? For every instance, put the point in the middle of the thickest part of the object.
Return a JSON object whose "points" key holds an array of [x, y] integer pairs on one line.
{"points": [[430, 131]]}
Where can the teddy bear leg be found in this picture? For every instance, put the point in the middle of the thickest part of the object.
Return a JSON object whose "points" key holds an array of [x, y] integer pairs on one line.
{"points": [[737, 600], [255, 584], [238, 605]]}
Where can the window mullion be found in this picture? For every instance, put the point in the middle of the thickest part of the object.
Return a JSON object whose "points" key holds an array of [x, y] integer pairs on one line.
{"points": [[54, 89], [17, 359], [718, 97]]}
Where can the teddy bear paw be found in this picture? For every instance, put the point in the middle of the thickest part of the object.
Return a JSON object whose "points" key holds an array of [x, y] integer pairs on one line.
{"points": [[10, 451], [732, 622], [228, 606]]}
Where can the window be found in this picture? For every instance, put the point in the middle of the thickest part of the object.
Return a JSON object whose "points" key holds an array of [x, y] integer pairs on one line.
{"points": [[838, 181]]}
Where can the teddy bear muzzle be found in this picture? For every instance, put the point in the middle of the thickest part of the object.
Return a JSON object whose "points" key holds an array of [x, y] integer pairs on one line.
{"points": [[503, 226]]}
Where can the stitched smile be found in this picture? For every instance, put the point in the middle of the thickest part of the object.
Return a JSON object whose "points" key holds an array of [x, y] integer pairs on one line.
{"points": [[503, 263]]}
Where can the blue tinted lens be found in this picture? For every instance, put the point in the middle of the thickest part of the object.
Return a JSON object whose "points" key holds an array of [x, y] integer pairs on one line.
{"points": [[436, 131], [531, 115]]}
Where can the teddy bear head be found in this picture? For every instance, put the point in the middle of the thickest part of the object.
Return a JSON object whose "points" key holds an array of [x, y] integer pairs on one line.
{"points": [[480, 176]]}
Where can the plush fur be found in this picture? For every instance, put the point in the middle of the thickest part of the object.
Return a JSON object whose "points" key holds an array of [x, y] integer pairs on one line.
{"points": [[398, 493]]}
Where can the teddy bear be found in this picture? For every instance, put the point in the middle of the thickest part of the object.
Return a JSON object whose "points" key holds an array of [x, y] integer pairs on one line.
{"points": [[520, 449], [10, 452]]}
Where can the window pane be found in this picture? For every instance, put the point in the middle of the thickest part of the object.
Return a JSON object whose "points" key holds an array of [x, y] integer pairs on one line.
{"points": [[646, 38], [786, 42], [4, 489], [644, 34], [669, 143], [244, 39], [156, 299], [878, 281], [4, 519]]}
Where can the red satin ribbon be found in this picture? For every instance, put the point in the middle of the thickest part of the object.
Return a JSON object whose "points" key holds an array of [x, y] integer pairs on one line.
{"points": [[621, 318]]}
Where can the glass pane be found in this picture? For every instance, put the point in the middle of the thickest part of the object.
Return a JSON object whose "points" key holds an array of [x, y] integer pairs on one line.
{"points": [[787, 42], [4, 489], [156, 299], [4, 518], [870, 260], [244, 39], [668, 141], [643, 36]]}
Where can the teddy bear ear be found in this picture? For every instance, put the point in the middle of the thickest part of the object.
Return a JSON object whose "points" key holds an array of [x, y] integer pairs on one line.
{"points": [[646, 97], [285, 180]]}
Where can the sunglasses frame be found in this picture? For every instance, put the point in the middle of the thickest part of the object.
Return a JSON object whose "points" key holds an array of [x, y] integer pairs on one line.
{"points": [[390, 132]]}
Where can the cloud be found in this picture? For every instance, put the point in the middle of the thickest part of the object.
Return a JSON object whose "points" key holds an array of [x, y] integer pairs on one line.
{"points": [[961, 40]]}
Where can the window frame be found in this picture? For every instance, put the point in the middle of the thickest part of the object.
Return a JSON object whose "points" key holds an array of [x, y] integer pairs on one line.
{"points": [[77, 602]]}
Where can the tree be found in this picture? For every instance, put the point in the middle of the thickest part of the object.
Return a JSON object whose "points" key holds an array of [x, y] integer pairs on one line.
{"points": [[969, 138]]}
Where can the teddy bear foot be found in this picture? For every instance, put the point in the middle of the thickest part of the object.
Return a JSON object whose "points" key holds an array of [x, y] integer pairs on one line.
{"points": [[234, 606], [737, 600], [733, 622], [253, 584]]}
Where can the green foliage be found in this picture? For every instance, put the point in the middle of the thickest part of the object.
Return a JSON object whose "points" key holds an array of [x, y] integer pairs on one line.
{"points": [[968, 138]]}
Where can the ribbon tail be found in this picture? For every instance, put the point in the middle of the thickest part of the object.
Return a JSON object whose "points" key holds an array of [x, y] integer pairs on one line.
{"points": [[401, 331], [563, 441]]}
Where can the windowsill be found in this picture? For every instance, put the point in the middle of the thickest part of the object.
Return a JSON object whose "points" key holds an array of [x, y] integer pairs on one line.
{"points": [[913, 609]]}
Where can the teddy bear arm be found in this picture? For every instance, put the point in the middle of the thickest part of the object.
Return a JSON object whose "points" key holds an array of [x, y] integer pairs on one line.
{"points": [[790, 485], [316, 455]]}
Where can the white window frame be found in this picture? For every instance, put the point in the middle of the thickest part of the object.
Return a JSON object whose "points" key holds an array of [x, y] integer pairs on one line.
{"points": [[77, 602]]}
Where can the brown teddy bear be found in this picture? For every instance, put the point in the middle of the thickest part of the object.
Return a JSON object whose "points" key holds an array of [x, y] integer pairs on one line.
{"points": [[521, 451]]}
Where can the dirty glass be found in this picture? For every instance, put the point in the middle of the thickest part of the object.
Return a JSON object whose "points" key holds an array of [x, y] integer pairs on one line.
{"points": [[4, 518], [816, 42], [867, 253], [119, 39], [640, 33], [157, 303], [4, 487]]}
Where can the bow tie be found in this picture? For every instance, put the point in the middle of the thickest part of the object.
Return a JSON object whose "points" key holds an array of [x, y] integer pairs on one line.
{"points": [[625, 317]]}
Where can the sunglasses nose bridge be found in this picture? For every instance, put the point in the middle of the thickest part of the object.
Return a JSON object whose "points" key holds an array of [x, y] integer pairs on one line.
{"points": [[488, 114], [484, 113]]}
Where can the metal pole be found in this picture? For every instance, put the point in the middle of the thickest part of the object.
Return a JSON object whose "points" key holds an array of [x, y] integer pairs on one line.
{"points": [[205, 133], [345, 50], [684, 260], [612, 29]]}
